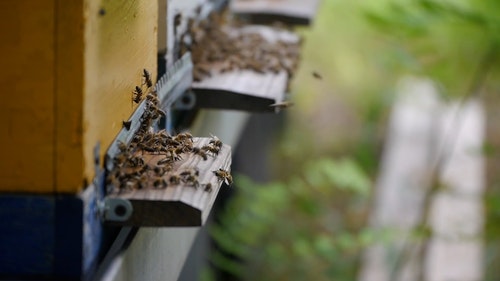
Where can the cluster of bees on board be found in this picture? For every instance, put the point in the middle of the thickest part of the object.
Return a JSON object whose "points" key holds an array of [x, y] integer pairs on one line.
{"points": [[217, 45], [150, 157]]}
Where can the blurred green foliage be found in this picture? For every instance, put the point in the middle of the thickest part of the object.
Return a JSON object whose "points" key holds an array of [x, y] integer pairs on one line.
{"points": [[311, 224], [292, 230]]}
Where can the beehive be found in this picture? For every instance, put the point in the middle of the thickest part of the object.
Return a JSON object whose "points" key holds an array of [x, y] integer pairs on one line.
{"points": [[67, 74]]}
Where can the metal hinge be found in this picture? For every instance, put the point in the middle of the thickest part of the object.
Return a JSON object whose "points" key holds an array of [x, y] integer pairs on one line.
{"points": [[114, 209]]}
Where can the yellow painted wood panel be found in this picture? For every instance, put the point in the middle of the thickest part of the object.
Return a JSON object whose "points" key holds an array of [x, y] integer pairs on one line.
{"points": [[68, 68], [27, 80], [120, 40], [69, 95]]}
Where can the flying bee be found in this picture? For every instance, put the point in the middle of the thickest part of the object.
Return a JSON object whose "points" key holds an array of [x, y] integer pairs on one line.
{"points": [[208, 187], [160, 183], [137, 94], [147, 78], [282, 105], [317, 75], [224, 176]]}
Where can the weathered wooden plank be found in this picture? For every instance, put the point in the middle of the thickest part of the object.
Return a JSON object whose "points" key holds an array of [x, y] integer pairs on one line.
{"points": [[289, 11], [178, 204]]}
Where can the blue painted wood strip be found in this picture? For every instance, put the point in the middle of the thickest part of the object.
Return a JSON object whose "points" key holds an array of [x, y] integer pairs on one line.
{"points": [[26, 235]]}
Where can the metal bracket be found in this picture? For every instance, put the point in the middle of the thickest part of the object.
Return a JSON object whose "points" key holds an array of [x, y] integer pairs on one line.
{"points": [[115, 209], [185, 102]]}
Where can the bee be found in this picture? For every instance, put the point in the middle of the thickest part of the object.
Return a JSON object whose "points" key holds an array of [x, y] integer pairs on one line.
{"points": [[160, 183], [317, 75], [190, 172], [164, 161], [215, 141], [174, 179], [122, 146], [147, 78], [177, 19], [135, 161], [282, 105], [183, 136], [137, 94], [127, 124], [159, 171], [198, 151], [208, 187], [224, 176], [119, 159], [152, 97], [212, 149]]}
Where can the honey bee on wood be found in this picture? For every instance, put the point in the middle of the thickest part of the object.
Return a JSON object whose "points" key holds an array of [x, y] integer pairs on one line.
{"points": [[137, 94], [159, 171], [174, 179], [160, 183], [177, 19], [135, 161], [282, 105], [122, 146], [224, 176], [164, 161], [215, 141], [147, 78], [208, 187], [200, 152], [211, 149]]}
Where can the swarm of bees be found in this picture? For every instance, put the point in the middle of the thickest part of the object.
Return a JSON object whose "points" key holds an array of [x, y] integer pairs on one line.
{"points": [[133, 167], [218, 46]]}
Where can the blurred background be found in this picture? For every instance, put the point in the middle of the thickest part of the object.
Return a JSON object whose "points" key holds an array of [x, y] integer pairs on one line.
{"points": [[325, 207]]}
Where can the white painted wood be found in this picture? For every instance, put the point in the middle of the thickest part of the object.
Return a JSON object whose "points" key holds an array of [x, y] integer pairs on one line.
{"points": [[292, 8], [456, 250], [420, 129], [400, 187]]}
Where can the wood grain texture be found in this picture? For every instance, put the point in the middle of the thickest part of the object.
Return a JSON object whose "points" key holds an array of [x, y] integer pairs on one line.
{"points": [[119, 44], [290, 11], [182, 204], [241, 90], [27, 81]]}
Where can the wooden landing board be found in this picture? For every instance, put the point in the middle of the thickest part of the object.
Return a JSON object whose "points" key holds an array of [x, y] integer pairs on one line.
{"points": [[243, 89], [288, 11], [178, 205]]}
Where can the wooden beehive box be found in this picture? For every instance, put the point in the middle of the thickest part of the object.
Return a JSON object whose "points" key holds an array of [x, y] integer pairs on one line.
{"points": [[68, 68]]}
